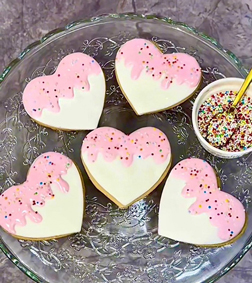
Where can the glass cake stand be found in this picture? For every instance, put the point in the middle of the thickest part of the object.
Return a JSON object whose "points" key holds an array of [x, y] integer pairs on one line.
{"points": [[116, 245]]}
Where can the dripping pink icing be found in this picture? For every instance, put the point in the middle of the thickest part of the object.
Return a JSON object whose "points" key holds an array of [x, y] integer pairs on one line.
{"points": [[143, 55], [142, 143], [72, 72], [21, 201], [225, 211]]}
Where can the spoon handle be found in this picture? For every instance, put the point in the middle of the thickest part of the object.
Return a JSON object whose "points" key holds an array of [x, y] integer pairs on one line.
{"points": [[243, 88]]}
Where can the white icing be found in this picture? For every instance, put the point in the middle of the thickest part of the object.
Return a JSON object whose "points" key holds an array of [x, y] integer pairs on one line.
{"points": [[125, 184], [82, 112], [145, 94], [175, 222], [61, 215]]}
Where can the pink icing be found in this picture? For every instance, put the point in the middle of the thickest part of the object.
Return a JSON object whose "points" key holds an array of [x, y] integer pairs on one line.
{"points": [[112, 143], [72, 72], [225, 211], [144, 56], [21, 201]]}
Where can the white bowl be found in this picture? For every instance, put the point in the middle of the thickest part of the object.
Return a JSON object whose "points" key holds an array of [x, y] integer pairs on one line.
{"points": [[226, 84]]}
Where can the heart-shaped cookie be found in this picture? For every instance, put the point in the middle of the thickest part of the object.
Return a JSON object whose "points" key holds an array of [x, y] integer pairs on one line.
{"points": [[126, 167], [194, 210], [49, 204], [70, 99], [152, 81]]}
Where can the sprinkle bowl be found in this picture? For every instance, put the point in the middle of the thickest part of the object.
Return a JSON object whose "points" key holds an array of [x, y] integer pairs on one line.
{"points": [[221, 85]]}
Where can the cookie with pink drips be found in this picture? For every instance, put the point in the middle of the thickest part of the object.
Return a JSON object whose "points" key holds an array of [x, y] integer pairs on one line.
{"points": [[152, 81], [70, 99], [49, 204], [204, 214], [126, 168]]}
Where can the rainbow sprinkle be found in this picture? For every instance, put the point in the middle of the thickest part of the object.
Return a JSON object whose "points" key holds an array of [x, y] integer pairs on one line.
{"points": [[229, 132]]}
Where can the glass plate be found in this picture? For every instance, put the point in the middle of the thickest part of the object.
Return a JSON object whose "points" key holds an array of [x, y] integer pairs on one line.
{"points": [[116, 245]]}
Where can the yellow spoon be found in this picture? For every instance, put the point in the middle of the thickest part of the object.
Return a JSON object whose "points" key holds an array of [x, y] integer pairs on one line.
{"points": [[242, 90]]}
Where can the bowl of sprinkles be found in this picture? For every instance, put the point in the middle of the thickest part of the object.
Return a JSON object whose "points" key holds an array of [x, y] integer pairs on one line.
{"points": [[223, 134]]}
